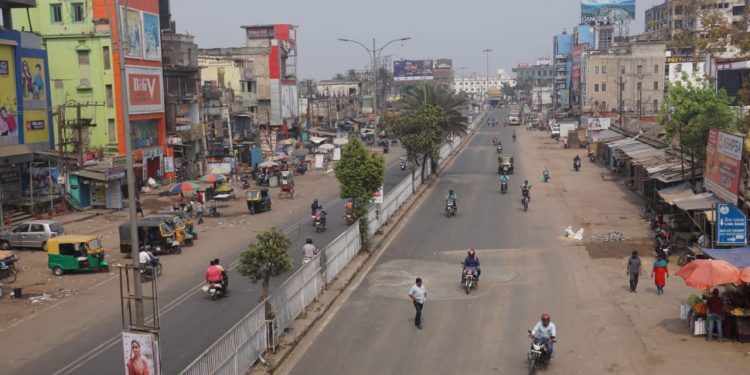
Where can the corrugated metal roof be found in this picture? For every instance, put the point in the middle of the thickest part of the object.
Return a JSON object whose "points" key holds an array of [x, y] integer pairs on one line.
{"points": [[702, 201], [673, 193]]}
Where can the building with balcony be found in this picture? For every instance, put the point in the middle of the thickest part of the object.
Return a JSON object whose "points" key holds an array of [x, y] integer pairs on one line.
{"points": [[540, 72], [477, 85], [442, 72], [562, 48]]}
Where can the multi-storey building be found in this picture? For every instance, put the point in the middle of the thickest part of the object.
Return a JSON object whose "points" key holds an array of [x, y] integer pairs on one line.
{"points": [[540, 72], [562, 48], [476, 85], [442, 72], [627, 79]]}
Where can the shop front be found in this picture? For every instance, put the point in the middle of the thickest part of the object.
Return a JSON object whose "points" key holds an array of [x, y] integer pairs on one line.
{"points": [[98, 188]]}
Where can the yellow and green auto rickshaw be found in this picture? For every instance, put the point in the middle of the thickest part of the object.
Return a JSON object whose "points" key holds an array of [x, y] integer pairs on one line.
{"points": [[258, 200], [75, 252], [187, 219], [180, 229], [154, 233]]}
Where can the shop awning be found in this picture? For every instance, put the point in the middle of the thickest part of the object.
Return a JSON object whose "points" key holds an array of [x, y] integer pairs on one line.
{"points": [[738, 256], [91, 175], [14, 150], [700, 201], [673, 193]]}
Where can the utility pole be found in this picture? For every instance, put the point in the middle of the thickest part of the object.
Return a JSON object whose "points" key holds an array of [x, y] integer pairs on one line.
{"points": [[117, 44], [487, 71], [620, 88]]}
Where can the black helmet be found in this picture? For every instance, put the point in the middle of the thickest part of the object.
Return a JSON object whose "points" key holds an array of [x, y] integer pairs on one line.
{"points": [[315, 201], [450, 191], [309, 240], [525, 182]]}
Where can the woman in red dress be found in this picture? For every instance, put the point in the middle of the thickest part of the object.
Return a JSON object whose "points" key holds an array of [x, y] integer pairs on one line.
{"points": [[662, 274]]}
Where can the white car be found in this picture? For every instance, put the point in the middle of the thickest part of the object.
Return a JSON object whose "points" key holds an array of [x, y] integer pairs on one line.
{"points": [[32, 234]]}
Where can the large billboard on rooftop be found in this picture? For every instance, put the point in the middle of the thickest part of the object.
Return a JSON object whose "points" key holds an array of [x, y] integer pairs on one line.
{"points": [[607, 11], [412, 70]]}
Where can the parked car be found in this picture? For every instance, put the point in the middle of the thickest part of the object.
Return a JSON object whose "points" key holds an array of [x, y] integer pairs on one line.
{"points": [[32, 234]]}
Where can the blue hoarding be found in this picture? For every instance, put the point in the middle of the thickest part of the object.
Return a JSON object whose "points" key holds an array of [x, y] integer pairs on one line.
{"points": [[731, 225], [603, 11], [411, 70]]}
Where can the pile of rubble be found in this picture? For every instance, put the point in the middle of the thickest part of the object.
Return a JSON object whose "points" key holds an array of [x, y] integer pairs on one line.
{"points": [[612, 236]]}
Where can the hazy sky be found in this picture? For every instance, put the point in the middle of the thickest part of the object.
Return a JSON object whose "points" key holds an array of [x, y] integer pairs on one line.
{"points": [[516, 30]]}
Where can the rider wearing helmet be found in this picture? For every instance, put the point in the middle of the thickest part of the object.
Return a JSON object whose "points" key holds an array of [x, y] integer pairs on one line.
{"points": [[315, 206], [452, 198], [546, 330], [472, 261], [308, 250], [526, 189]]}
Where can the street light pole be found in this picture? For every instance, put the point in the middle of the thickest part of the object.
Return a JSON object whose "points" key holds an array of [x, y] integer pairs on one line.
{"points": [[487, 85], [373, 53]]}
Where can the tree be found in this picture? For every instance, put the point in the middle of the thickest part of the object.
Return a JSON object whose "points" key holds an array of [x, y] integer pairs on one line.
{"points": [[693, 110], [360, 176], [266, 258], [339, 77], [422, 131]]}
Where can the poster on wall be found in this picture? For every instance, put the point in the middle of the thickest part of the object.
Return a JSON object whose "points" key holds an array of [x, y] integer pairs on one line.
{"points": [[723, 164], [35, 126], [140, 353], [597, 123], [168, 164], [8, 106], [44, 181], [144, 133], [132, 26], [151, 37], [144, 87], [33, 85]]}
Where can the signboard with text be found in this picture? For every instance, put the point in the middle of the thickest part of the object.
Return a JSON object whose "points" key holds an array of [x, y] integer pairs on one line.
{"points": [[412, 70], [607, 11], [723, 164], [144, 90], [731, 225]]}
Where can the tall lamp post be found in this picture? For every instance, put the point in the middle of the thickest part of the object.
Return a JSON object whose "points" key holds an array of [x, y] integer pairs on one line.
{"points": [[374, 53], [487, 85]]}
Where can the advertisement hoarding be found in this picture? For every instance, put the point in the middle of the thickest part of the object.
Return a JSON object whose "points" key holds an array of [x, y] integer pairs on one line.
{"points": [[141, 353], [412, 70], [604, 11], [144, 87], [596, 123], [723, 164]]}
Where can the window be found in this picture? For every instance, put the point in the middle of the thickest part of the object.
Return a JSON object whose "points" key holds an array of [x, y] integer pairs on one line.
{"points": [[656, 105], [604, 69], [77, 10], [112, 131], [23, 228], [83, 65], [656, 68], [83, 57], [105, 57], [638, 86], [56, 10], [656, 85], [639, 69], [36, 228], [604, 106], [604, 87], [596, 87], [596, 69], [110, 99]]}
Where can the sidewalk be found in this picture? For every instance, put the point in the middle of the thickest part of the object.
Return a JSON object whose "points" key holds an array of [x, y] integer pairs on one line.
{"points": [[235, 223]]}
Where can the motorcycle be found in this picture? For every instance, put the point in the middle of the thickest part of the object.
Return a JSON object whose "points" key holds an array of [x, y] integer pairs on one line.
{"points": [[301, 169], [468, 280], [503, 187], [403, 165], [320, 224], [245, 182], [499, 149], [592, 156], [663, 247], [577, 165], [349, 217], [525, 202], [450, 209], [8, 271], [151, 271], [215, 290], [545, 176], [538, 357]]}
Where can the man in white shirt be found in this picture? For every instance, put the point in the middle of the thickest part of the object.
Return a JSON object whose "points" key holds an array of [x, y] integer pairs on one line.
{"points": [[308, 250], [546, 330], [417, 295]]}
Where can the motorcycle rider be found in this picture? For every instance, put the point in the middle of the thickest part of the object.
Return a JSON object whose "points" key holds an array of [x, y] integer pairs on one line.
{"points": [[576, 161], [224, 275], [314, 207], [526, 190], [308, 250], [545, 330], [321, 214], [472, 261], [349, 206], [213, 274], [452, 199], [545, 174], [504, 179], [514, 135], [146, 258]]}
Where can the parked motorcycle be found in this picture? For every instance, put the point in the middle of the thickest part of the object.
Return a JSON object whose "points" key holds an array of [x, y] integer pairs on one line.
{"points": [[686, 257], [503, 187], [468, 280], [8, 269], [538, 357], [663, 247], [450, 209], [592, 156]]}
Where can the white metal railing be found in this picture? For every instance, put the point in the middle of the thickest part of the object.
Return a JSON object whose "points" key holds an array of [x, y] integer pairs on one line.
{"points": [[240, 347]]}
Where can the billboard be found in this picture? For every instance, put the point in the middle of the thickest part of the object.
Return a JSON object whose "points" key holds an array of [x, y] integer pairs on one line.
{"points": [[412, 70], [140, 353], [604, 11], [8, 101], [144, 87], [723, 164], [596, 123]]}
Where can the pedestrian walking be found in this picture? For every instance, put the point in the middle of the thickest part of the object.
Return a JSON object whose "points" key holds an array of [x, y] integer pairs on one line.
{"points": [[199, 212], [662, 274], [418, 295], [715, 315], [138, 207], [634, 270]]}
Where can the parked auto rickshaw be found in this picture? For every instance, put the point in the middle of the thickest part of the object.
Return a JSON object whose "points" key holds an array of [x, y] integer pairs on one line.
{"points": [[258, 200], [505, 164], [287, 185], [75, 253], [155, 233], [187, 219], [181, 231], [224, 188]]}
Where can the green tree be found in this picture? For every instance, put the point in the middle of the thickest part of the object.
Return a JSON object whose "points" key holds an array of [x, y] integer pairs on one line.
{"points": [[442, 96], [360, 174], [266, 258], [422, 132], [339, 77], [692, 110]]}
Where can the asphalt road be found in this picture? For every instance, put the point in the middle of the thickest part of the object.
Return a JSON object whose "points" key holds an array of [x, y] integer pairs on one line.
{"points": [[190, 322], [524, 274]]}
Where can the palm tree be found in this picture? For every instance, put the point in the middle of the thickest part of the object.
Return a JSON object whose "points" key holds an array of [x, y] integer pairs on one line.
{"points": [[442, 96]]}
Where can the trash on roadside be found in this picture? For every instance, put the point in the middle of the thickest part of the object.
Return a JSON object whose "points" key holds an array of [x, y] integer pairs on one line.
{"points": [[578, 235], [612, 236], [42, 298]]}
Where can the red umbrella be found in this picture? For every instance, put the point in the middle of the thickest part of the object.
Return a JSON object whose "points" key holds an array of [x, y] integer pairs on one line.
{"points": [[706, 273], [745, 275]]}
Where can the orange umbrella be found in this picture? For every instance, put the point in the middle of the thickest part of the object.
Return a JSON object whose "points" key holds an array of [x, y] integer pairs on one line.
{"points": [[706, 273], [745, 275]]}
